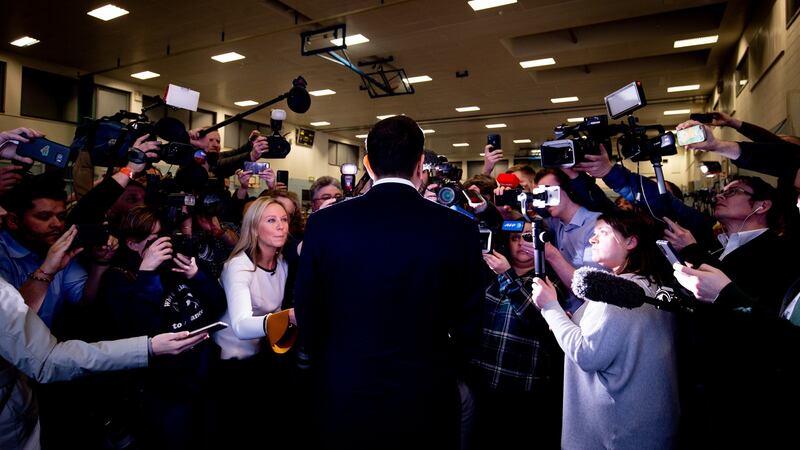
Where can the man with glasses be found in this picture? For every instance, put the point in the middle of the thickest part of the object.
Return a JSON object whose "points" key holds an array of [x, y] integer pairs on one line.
{"points": [[325, 191]]}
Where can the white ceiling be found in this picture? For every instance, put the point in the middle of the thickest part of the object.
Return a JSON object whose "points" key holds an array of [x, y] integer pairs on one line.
{"points": [[599, 46]]}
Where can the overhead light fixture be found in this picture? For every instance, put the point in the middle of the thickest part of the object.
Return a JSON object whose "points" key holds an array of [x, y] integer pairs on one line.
{"points": [[320, 124], [467, 108], [351, 40], [322, 92], [428, 131], [461, 144], [688, 87], [696, 41], [496, 125], [107, 12], [25, 41], [522, 141], [537, 63], [227, 57], [362, 136], [564, 99], [146, 75], [386, 116], [419, 79], [742, 82], [677, 112], [478, 5], [245, 103], [575, 119]]}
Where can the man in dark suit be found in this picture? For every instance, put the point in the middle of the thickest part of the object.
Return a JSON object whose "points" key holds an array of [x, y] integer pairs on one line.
{"points": [[388, 303]]}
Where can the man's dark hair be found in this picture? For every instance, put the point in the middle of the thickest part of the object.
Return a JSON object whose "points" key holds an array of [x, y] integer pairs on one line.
{"points": [[139, 223], [49, 185], [763, 191], [394, 147], [485, 183]]}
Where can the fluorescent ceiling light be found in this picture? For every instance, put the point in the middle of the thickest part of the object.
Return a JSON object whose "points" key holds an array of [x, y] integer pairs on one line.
{"points": [[146, 75], [107, 12], [467, 108], [522, 141], [320, 124], [362, 136], [677, 112], [496, 125], [688, 87], [537, 63], [245, 103], [351, 40], [322, 92], [419, 79], [24, 41], [696, 41], [461, 144], [386, 116], [575, 119], [228, 57], [742, 82], [428, 131], [478, 5], [564, 99]]}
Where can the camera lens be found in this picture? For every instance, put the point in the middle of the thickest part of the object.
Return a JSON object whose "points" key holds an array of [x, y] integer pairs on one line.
{"points": [[446, 195]]}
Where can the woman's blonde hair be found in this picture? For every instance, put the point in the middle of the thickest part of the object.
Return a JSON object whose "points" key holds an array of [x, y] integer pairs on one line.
{"points": [[248, 238]]}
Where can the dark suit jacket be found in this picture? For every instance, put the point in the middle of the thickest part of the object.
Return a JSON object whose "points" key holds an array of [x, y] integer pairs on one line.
{"points": [[388, 303]]}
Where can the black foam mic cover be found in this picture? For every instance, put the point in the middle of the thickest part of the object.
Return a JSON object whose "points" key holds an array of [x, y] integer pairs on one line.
{"points": [[172, 130], [597, 285], [298, 99]]}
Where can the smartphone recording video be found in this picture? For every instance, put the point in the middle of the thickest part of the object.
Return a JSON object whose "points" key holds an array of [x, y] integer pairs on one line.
{"points": [[691, 135]]}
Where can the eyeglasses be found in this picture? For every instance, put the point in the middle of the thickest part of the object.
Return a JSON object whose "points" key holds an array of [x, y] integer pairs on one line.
{"points": [[730, 192], [324, 197]]}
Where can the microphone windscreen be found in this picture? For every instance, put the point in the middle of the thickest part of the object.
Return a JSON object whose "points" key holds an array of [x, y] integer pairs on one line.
{"points": [[299, 101], [596, 285], [172, 130], [508, 180]]}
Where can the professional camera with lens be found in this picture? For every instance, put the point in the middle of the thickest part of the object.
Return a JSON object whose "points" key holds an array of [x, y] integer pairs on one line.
{"points": [[541, 197], [572, 143], [279, 147], [447, 176]]}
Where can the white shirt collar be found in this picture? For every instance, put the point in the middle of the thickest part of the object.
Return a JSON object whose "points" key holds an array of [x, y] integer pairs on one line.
{"points": [[737, 240], [394, 180]]}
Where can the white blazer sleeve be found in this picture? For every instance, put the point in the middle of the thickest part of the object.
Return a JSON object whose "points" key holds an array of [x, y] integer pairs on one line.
{"points": [[236, 278]]}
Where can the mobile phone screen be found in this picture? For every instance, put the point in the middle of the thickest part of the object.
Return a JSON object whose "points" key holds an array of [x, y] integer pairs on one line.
{"points": [[282, 176], [212, 328], [691, 135], [669, 252]]}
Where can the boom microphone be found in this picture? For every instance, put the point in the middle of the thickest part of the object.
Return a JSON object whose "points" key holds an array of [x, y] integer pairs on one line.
{"points": [[596, 285], [298, 99]]}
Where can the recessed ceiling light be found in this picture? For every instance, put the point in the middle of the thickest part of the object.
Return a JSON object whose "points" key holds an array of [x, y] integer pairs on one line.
{"points": [[522, 141], [461, 144], [696, 41], [146, 75], [537, 63], [419, 79], [478, 5], [322, 92], [564, 99], [386, 116], [496, 125], [742, 82], [320, 124], [677, 112], [467, 108], [575, 119], [107, 12], [228, 57], [428, 131], [362, 136], [351, 40], [688, 87], [24, 41], [245, 103]]}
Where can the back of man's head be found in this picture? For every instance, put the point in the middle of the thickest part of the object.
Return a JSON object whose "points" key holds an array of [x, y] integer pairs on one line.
{"points": [[394, 147], [49, 185]]}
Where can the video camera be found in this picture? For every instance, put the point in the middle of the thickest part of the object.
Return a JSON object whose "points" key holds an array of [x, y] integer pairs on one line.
{"points": [[109, 140], [447, 176], [572, 143]]}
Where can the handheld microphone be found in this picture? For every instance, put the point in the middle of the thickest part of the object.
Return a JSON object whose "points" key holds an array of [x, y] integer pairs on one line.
{"points": [[508, 180], [597, 285]]}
